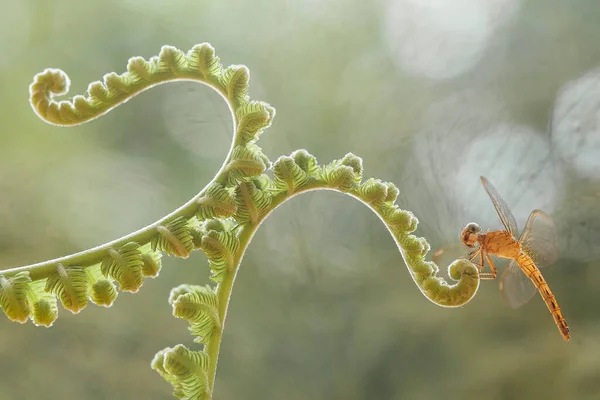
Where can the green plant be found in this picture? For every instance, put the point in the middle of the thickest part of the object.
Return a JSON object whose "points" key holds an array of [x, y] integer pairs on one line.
{"points": [[220, 220]]}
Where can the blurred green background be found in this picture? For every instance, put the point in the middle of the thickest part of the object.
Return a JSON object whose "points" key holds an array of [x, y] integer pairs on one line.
{"points": [[431, 94]]}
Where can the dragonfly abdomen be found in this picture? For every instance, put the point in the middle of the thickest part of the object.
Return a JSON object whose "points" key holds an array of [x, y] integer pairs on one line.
{"points": [[532, 271]]}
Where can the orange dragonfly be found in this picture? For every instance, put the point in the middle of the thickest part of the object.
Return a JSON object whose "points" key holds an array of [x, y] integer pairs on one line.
{"points": [[537, 244]]}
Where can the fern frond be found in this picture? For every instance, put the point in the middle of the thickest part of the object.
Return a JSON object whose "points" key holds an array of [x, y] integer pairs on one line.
{"points": [[306, 161], [186, 370], [373, 191], [70, 285], [125, 266], [235, 80], [246, 162], [288, 175], [199, 306], [45, 310], [217, 202], [199, 64], [220, 248], [14, 296], [152, 264], [252, 201], [253, 118], [175, 238], [400, 221]]}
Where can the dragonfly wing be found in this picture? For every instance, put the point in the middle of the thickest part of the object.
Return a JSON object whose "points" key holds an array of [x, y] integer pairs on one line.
{"points": [[516, 288], [508, 220], [539, 239]]}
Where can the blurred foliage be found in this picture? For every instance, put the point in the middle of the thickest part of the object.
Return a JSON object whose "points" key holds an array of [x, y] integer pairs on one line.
{"points": [[332, 312]]}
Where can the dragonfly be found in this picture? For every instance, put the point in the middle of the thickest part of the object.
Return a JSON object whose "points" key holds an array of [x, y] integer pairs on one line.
{"points": [[536, 246]]}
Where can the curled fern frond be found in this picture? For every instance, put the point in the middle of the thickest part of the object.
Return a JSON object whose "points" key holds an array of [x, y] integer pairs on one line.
{"points": [[151, 264], [288, 175], [104, 293], [253, 118], [400, 221], [235, 80], [373, 191], [125, 266], [339, 177], [200, 63], [252, 201], [220, 248], [199, 306], [45, 310], [217, 202], [392, 193], [186, 370], [306, 161], [175, 238], [246, 162], [70, 285], [14, 296], [356, 163]]}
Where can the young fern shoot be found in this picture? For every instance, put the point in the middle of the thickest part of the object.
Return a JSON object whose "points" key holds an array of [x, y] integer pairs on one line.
{"points": [[220, 220]]}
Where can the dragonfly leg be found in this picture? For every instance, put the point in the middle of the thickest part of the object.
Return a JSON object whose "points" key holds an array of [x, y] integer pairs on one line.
{"points": [[493, 272]]}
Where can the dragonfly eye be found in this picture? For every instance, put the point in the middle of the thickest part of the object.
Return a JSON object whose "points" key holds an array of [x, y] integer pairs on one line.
{"points": [[473, 227]]}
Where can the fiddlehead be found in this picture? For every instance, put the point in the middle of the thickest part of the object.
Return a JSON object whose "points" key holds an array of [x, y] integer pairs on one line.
{"points": [[220, 220]]}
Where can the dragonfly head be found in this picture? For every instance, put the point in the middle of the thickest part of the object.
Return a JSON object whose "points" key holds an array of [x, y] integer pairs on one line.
{"points": [[469, 234]]}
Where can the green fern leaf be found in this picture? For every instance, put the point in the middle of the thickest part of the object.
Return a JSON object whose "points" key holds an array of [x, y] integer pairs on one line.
{"points": [[246, 162], [339, 177], [175, 238], [306, 161], [373, 191], [199, 306], [14, 300], [252, 119], [220, 248], [45, 310], [251, 201], [235, 80], [186, 370], [218, 202], [288, 175], [152, 264], [70, 285], [125, 266], [400, 221], [104, 293], [202, 58]]}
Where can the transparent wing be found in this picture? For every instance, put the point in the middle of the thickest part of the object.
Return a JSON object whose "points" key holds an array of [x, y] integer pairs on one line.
{"points": [[508, 220], [516, 288], [539, 241]]}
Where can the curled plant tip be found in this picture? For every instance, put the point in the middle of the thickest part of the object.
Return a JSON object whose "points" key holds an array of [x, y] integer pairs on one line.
{"points": [[252, 202], [400, 221], [220, 248], [198, 305], [104, 293], [392, 193], [125, 266], [45, 310], [175, 238], [252, 119], [442, 294], [288, 175], [70, 285], [186, 370], [200, 64], [246, 162], [339, 177], [218, 225], [356, 164], [14, 296], [218, 202], [151, 264], [235, 80], [373, 191], [306, 161]]}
